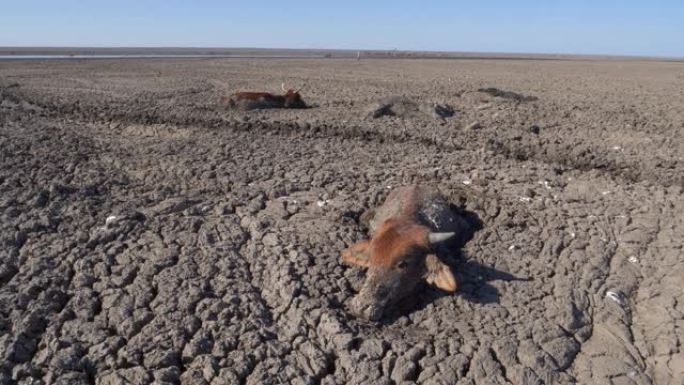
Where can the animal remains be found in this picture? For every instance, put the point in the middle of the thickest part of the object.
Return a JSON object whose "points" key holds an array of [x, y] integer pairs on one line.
{"points": [[264, 100], [406, 232]]}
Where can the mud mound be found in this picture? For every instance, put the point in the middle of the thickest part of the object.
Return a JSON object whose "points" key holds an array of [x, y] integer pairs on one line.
{"points": [[403, 107], [10, 103]]}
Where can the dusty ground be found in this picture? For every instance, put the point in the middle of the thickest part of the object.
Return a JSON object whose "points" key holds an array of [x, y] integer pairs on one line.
{"points": [[221, 263]]}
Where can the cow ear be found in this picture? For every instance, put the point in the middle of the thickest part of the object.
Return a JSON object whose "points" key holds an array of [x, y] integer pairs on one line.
{"points": [[358, 254], [439, 274]]}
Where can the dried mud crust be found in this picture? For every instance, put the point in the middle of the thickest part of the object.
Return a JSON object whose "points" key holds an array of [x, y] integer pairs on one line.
{"points": [[149, 236]]}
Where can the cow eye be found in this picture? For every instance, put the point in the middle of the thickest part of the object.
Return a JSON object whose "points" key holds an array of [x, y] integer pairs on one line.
{"points": [[402, 265]]}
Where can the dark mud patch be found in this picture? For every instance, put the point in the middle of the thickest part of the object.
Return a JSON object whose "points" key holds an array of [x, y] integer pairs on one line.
{"points": [[510, 95], [404, 107]]}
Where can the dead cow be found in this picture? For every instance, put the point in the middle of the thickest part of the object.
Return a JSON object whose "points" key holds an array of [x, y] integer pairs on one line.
{"points": [[406, 231], [263, 100]]}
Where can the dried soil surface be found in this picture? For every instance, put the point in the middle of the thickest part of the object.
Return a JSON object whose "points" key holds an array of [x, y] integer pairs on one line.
{"points": [[149, 236]]}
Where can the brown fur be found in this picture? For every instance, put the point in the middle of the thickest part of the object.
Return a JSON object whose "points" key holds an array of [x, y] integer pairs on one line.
{"points": [[400, 235], [258, 100], [395, 240]]}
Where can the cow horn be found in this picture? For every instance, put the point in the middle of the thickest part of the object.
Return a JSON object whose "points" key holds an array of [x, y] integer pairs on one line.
{"points": [[300, 88], [282, 85], [434, 238]]}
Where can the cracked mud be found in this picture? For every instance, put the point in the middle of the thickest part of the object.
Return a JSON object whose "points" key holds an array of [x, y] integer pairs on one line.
{"points": [[150, 236]]}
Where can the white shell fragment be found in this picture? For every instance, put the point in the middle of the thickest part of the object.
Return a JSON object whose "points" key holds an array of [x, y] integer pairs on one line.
{"points": [[616, 297]]}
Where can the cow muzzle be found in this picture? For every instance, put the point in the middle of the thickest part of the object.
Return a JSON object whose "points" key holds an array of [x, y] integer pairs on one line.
{"points": [[370, 302]]}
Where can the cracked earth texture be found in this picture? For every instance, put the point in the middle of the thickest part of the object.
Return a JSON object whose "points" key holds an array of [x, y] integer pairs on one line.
{"points": [[147, 236]]}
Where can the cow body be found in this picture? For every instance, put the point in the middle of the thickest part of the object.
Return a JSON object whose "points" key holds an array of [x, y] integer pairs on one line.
{"points": [[419, 204], [263, 100], [406, 231]]}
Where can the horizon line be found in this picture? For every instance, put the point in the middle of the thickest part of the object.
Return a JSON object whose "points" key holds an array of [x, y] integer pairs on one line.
{"points": [[350, 50]]}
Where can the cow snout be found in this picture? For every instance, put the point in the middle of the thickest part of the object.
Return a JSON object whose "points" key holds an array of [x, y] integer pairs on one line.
{"points": [[371, 302], [366, 309]]}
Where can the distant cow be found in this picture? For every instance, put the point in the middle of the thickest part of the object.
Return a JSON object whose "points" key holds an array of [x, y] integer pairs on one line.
{"points": [[406, 231], [263, 100]]}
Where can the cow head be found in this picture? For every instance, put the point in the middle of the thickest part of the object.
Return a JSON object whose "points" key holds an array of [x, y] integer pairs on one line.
{"points": [[398, 256], [292, 98]]}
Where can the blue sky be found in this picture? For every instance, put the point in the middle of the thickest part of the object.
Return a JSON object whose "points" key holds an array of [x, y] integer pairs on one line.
{"points": [[585, 27]]}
